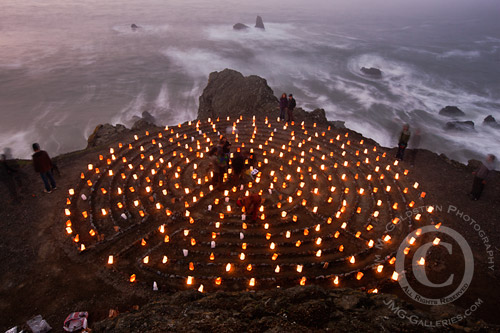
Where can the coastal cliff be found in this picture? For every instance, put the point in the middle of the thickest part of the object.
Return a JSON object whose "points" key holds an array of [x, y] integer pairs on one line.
{"points": [[41, 273]]}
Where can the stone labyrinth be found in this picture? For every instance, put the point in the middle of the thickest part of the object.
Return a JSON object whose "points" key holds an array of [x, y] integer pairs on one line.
{"points": [[331, 215]]}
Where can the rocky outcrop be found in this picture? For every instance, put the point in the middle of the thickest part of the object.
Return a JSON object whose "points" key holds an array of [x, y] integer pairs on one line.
{"points": [[372, 71], [298, 309], [451, 111], [103, 134], [460, 126], [259, 23], [229, 93], [240, 26], [491, 121]]}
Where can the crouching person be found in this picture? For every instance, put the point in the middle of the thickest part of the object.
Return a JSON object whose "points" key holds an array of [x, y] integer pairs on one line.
{"points": [[251, 204]]}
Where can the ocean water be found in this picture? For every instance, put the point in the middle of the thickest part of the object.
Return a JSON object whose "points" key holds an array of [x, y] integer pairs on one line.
{"points": [[67, 66]]}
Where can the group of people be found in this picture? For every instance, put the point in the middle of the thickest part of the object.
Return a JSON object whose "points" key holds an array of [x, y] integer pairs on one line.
{"points": [[287, 105], [481, 174], [220, 156]]}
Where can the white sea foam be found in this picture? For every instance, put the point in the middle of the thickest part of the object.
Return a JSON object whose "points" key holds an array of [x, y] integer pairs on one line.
{"points": [[461, 54]]}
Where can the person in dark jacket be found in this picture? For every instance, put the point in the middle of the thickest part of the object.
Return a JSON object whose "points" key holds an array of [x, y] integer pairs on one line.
{"points": [[283, 106], [481, 175], [404, 137], [291, 105], [43, 165]]}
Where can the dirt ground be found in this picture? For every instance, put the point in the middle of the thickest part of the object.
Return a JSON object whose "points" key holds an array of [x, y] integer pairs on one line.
{"points": [[40, 273]]}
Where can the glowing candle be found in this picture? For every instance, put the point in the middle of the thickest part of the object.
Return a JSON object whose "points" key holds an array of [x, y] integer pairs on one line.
{"points": [[189, 280], [132, 278], [303, 281], [145, 259]]}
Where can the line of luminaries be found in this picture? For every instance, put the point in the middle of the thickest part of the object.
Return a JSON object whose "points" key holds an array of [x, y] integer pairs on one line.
{"points": [[330, 212]]}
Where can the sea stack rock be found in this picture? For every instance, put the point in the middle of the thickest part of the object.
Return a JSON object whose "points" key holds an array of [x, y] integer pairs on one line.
{"points": [[240, 26], [460, 126], [451, 111], [229, 93], [491, 121], [372, 71], [259, 23]]}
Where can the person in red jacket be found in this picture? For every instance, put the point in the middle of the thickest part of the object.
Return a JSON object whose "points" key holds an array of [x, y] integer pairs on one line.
{"points": [[251, 204], [43, 165]]}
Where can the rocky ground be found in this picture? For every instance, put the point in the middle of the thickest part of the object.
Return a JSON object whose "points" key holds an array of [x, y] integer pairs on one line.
{"points": [[41, 273]]}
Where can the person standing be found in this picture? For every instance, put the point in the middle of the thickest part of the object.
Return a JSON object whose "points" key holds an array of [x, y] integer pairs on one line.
{"points": [[416, 138], [283, 106], [404, 137], [291, 105], [481, 175], [43, 165]]}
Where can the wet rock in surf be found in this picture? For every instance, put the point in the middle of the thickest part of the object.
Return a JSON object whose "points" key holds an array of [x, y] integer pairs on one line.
{"points": [[491, 121], [451, 111], [372, 71], [259, 23], [240, 26], [134, 26], [460, 126]]}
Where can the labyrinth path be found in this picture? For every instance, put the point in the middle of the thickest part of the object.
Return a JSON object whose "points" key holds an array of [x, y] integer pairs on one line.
{"points": [[331, 213]]}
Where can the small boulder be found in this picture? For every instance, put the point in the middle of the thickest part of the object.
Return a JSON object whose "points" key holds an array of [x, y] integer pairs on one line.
{"points": [[451, 111], [372, 71], [460, 126], [134, 26], [259, 23], [240, 26]]}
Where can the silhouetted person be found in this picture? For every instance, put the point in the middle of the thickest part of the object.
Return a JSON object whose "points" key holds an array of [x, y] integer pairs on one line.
{"points": [[404, 137], [224, 143], [291, 105], [238, 165], [251, 204], [283, 106], [415, 145], [481, 175], [43, 165], [219, 162], [7, 177]]}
